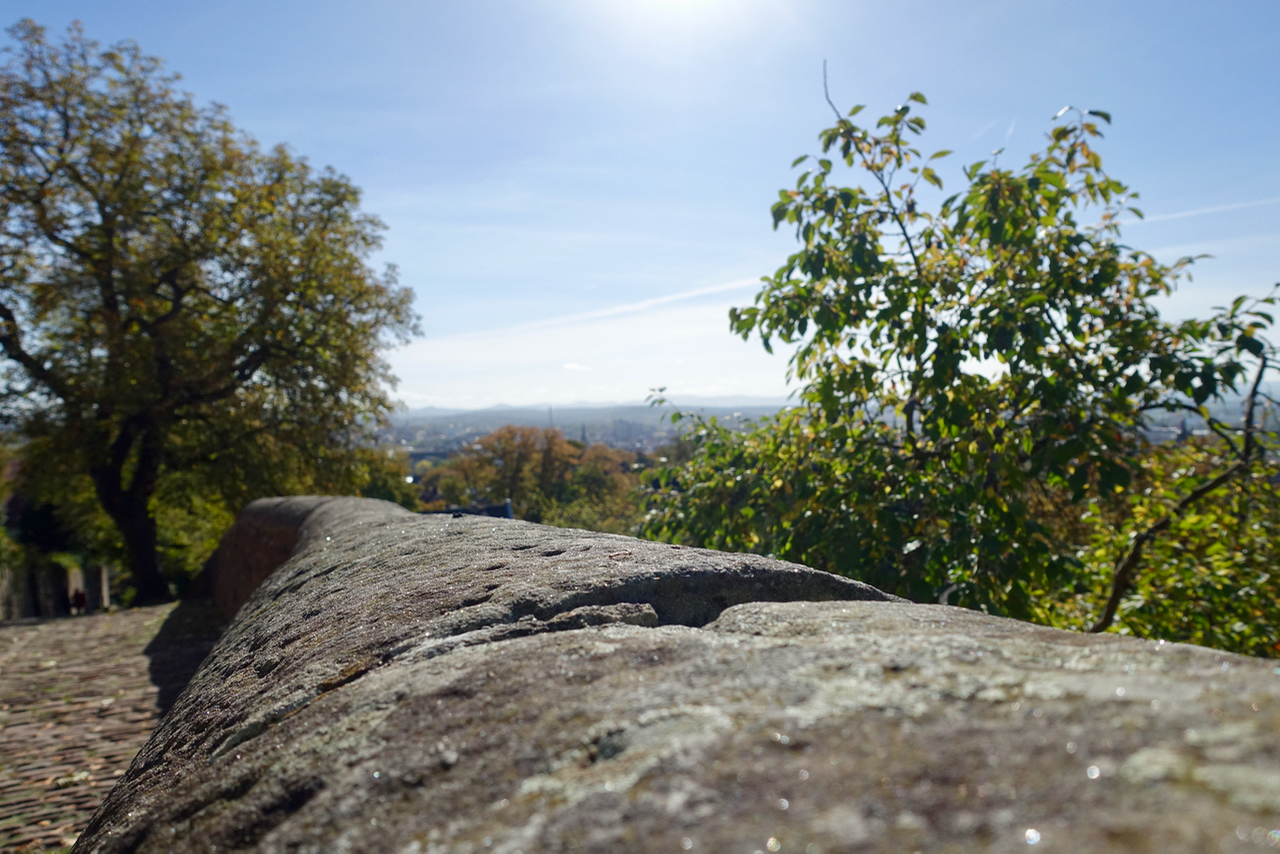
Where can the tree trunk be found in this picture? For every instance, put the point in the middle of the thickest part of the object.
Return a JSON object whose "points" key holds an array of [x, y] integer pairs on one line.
{"points": [[138, 528], [129, 508]]}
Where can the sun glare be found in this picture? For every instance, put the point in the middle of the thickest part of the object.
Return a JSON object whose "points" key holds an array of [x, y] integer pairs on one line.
{"points": [[682, 6], [684, 25], [680, 14]]}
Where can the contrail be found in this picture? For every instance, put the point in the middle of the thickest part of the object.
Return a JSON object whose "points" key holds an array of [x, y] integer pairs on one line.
{"points": [[1202, 211], [597, 314], [630, 307]]}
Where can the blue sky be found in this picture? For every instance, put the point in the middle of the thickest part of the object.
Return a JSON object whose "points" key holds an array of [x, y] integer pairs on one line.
{"points": [[578, 190]]}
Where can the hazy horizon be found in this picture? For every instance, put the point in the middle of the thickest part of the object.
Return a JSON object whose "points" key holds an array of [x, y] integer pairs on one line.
{"points": [[726, 401]]}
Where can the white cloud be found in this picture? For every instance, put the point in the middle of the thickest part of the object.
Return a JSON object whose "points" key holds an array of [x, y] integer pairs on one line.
{"points": [[631, 349]]}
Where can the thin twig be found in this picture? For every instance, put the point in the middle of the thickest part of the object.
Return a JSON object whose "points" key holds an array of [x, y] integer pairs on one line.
{"points": [[826, 93], [1128, 566]]}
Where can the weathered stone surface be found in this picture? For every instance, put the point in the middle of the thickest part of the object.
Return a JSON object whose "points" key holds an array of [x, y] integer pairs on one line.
{"points": [[427, 684], [266, 534]]}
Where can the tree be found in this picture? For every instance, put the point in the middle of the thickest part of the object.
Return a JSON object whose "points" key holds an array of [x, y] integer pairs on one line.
{"points": [[388, 477], [529, 465], [175, 302], [602, 492], [549, 479], [962, 367], [1203, 572]]}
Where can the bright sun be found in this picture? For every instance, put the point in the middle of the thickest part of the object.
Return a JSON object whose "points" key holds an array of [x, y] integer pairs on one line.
{"points": [[682, 12]]}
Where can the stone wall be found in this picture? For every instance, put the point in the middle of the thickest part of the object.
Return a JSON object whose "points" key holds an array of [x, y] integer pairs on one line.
{"points": [[33, 586], [17, 593], [432, 684]]}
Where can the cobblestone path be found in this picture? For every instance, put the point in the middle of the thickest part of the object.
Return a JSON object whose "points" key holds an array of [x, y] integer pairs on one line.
{"points": [[78, 698]]}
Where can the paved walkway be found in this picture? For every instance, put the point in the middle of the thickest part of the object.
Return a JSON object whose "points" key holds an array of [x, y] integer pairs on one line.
{"points": [[78, 698]]}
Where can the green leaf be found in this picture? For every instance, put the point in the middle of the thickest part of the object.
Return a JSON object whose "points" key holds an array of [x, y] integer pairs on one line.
{"points": [[1030, 469], [1102, 114], [210, 274], [1248, 342], [917, 97]]}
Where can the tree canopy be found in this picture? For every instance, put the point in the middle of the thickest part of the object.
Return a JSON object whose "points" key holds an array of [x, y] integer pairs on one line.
{"points": [[549, 479], [177, 304], [969, 371]]}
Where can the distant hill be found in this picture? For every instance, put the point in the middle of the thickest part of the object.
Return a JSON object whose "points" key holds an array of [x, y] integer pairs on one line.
{"points": [[638, 426], [437, 432], [537, 414], [422, 413]]}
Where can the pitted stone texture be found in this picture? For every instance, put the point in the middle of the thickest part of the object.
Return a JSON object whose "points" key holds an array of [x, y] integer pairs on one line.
{"points": [[267, 533], [825, 727], [474, 685], [385, 587]]}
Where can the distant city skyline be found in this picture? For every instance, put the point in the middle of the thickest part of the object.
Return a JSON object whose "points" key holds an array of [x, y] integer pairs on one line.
{"points": [[578, 190]]}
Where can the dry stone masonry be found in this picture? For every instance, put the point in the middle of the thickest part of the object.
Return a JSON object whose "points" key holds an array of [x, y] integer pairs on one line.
{"points": [[419, 684]]}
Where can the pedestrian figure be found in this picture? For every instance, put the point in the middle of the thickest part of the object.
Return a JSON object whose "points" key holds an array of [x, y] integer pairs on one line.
{"points": [[78, 601]]}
